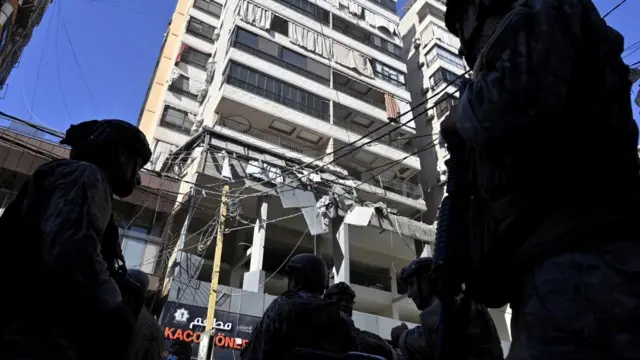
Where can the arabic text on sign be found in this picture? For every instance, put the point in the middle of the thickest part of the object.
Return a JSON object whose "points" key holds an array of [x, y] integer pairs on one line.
{"points": [[220, 340], [216, 324]]}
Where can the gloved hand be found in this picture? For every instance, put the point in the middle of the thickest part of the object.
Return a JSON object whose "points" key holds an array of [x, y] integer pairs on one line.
{"points": [[397, 332]]}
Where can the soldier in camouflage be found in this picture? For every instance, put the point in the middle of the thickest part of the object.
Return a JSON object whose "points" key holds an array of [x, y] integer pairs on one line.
{"points": [[548, 234], [299, 323], [366, 342], [62, 235], [420, 343]]}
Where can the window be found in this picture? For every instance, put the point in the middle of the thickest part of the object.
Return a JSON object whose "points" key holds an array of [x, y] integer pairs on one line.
{"points": [[280, 25], [318, 68], [386, 46], [282, 56], [278, 91], [294, 58], [389, 74], [247, 38], [442, 75], [443, 106], [308, 9], [209, 7], [181, 86], [176, 119], [201, 29], [268, 47], [194, 57], [445, 55], [140, 254]]}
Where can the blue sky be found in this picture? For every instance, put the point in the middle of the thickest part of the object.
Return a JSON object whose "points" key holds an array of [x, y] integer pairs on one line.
{"points": [[93, 59]]}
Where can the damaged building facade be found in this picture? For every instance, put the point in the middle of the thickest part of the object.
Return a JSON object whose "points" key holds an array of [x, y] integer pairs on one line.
{"points": [[280, 206], [288, 114]]}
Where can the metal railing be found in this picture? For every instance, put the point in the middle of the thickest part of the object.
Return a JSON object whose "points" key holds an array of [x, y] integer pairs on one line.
{"points": [[260, 134], [283, 64], [279, 98], [397, 144], [359, 96], [33, 132], [409, 190]]}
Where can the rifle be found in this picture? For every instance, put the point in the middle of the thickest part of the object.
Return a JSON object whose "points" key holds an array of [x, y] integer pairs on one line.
{"points": [[452, 252]]}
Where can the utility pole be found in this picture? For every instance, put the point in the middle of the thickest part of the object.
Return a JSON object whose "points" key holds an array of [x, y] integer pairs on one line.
{"points": [[205, 352]]}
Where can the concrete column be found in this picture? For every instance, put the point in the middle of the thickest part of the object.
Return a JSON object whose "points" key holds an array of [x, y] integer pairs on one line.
{"points": [[254, 279], [340, 233], [240, 257]]}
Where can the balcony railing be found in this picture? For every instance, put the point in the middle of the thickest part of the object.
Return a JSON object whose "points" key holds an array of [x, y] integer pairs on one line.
{"points": [[260, 134], [406, 189], [387, 4], [406, 147], [403, 188], [359, 96], [281, 63], [277, 98]]}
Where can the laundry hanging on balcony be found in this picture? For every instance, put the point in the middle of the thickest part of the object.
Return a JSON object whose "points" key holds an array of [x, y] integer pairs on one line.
{"points": [[194, 86], [254, 14], [179, 56], [352, 59], [392, 107], [310, 40], [404, 109], [377, 21]]}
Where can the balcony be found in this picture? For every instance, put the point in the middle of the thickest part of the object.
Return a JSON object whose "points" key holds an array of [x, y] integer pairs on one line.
{"points": [[358, 90], [362, 125], [277, 97], [365, 37], [283, 64], [385, 4], [307, 9], [265, 136]]}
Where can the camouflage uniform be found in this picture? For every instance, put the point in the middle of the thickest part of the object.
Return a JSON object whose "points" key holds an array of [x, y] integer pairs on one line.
{"points": [[544, 217], [58, 224], [299, 320], [419, 343]]}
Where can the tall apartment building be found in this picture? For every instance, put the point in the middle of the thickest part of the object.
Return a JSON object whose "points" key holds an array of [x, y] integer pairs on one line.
{"points": [[433, 65], [431, 54], [282, 92], [18, 18]]}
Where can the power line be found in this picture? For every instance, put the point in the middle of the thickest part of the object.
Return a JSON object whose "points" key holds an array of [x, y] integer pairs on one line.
{"points": [[35, 90], [64, 100], [614, 8], [347, 146], [75, 58]]}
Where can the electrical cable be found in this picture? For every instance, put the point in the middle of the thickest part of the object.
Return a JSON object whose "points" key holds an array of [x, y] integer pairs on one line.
{"points": [[614, 9], [375, 130], [64, 99], [35, 90], [75, 58]]}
